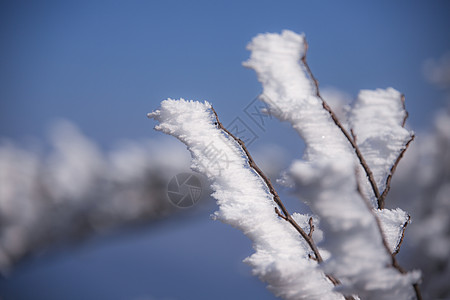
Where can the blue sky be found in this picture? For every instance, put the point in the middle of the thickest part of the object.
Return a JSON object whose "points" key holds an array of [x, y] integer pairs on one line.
{"points": [[105, 64]]}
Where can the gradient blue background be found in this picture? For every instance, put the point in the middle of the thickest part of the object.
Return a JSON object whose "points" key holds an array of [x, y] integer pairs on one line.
{"points": [[105, 64]]}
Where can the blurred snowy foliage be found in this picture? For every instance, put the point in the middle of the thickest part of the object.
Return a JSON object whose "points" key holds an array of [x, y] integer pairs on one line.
{"points": [[422, 185], [77, 189]]}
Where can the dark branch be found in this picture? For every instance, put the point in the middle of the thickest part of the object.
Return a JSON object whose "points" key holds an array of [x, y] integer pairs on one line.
{"points": [[277, 211], [311, 257], [311, 227]]}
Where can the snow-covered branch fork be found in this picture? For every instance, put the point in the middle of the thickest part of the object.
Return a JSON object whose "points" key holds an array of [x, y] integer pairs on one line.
{"points": [[356, 257]]}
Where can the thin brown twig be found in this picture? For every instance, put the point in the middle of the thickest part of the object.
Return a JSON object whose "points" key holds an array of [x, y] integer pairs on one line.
{"points": [[341, 127], [394, 262], [277, 211], [353, 135], [382, 198], [311, 227], [311, 257]]}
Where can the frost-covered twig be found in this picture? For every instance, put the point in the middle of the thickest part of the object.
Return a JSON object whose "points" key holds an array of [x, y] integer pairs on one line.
{"points": [[291, 94], [291, 91], [350, 137], [286, 215]]}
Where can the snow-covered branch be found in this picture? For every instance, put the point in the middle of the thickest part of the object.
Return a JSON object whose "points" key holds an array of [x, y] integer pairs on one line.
{"points": [[293, 94], [360, 239]]}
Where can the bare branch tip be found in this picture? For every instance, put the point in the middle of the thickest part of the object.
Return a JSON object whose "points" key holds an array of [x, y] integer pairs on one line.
{"points": [[311, 227], [277, 211]]}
